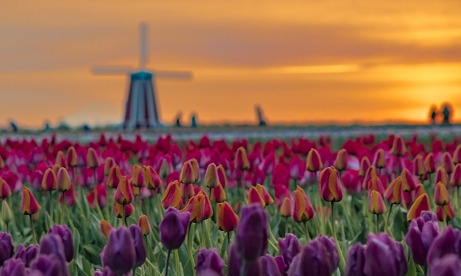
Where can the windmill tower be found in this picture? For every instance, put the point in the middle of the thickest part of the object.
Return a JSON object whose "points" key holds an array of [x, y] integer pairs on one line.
{"points": [[141, 108]]}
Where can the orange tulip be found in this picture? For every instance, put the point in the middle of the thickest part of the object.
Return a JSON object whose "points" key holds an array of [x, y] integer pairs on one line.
{"points": [[226, 217], [108, 165], [445, 212], [241, 159], [118, 209], [364, 165], [153, 180], [144, 224], [420, 204], [408, 181], [92, 159], [379, 160], [441, 196], [5, 191], [218, 194], [172, 195], [255, 197], [376, 203], [187, 173], [285, 208], [222, 175], [393, 193], [447, 162], [137, 176], [60, 159], [63, 179], [199, 207], [302, 207], [72, 158], [105, 228], [398, 146], [124, 193], [211, 179], [314, 161], [268, 200], [341, 160], [114, 177], [330, 185], [29, 204], [429, 163], [49, 181], [420, 169]]}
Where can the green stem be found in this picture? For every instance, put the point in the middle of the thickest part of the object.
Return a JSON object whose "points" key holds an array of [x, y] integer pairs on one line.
{"points": [[333, 219], [228, 238], [167, 262], [176, 256], [51, 210], [306, 231], [377, 223], [286, 225], [124, 215], [61, 207], [457, 198], [33, 229], [386, 222], [209, 194]]}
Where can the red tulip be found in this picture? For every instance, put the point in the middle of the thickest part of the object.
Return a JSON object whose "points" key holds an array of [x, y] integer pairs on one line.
{"points": [[441, 196], [302, 207], [124, 193], [227, 219], [29, 204], [376, 203], [330, 185], [5, 191], [421, 204], [314, 161]]}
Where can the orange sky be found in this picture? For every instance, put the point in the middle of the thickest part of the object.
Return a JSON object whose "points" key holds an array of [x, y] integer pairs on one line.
{"points": [[302, 61]]}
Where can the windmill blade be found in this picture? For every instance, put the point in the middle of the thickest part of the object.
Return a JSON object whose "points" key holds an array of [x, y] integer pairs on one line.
{"points": [[173, 74], [111, 70], [143, 44]]}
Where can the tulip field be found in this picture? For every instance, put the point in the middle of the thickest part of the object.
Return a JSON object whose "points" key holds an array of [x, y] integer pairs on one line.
{"points": [[325, 205]]}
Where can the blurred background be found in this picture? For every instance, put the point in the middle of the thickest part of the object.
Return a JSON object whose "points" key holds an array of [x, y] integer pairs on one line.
{"points": [[302, 62]]}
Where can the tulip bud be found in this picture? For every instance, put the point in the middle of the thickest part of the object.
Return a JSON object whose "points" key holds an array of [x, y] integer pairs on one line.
{"points": [[408, 182], [13, 267], [153, 180], [199, 207], [289, 247], [314, 161], [49, 181], [268, 200], [441, 196], [302, 207], [29, 204], [330, 185], [6, 247], [393, 193], [252, 232], [114, 177], [63, 179], [421, 204], [447, 162], [445, 212], [119, 253], [241, 159], [209, 263], [457, 155], [138, 244], [144, 225], [364, 165], [118, 209], [172, 195], [419, 168], [376, 203], [254, 197], [5, 191], [341, 160], [227, 219], [173, 228], [379, 160], [222, 175], [65, 234], [441, 176], [447, 265], [421, 233], [211, 179], [286, 207], [92, 159], [72, 158], [60, 160], [7, 214], [369, 175], [137, 177], [218, 194], [398, 146], [456, 176], [318, 257], [105, 228], [187, 173], [196, 168], [429, 163], [124, 193], [108, 165]]}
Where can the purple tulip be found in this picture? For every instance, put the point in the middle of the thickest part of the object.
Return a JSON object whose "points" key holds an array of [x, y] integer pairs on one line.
{"points": [[421, 233], [318, 257], [283, 268], [449, 265], [293, 270], [447, 242], [235, 264], [252, 232], [428, 216], [384, 256], [173, 228], [66, 236], [48, 265], [108, 272], [209, 262], [119, 253], [356, 261], [13, 267], [27, 254], [52, 246], [268, 266], [289, 247], [139, 247], [6, 247]]}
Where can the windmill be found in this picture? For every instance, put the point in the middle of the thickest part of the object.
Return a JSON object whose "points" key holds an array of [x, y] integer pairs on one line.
{"points": [[141, 108]]}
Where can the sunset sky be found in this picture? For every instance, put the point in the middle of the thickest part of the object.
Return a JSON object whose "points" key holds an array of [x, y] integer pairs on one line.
{"points": [[301, 61]]}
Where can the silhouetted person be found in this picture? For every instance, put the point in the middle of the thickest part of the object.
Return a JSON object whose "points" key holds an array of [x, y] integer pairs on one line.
{"points": [[14, 127], [433, 114], [193, 120], [446, 112], [178, 120], [260, 115]]}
